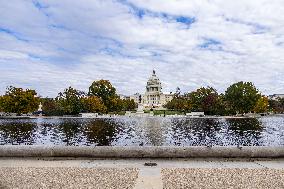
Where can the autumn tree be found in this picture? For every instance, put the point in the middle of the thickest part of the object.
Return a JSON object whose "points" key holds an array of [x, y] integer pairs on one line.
{"points": [[93, 104], [71, 101], [242, 96], [204, 99], [51, 107], [281, 104], [281, 101], [276, 105], [18, 100], [1, 104], [261, 105], [104, 90]]}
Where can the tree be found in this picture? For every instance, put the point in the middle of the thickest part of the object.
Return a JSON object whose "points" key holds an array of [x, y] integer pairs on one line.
{"points": [[115, 104], [277, 105], [1, 104], [104, 90], [261, 105], [179, 104], [281, 104], [204, 99], [51, 107], [129, 104], [18, 100], [223, 107], [71, 101], [93, 104], [242, 96]]}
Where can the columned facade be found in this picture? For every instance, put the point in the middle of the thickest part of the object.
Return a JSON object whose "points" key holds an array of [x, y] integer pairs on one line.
{"points": [[153, 91], [153, 96]]}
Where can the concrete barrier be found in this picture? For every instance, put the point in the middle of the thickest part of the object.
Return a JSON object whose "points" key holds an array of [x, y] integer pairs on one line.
{"points": [[141, 152]]}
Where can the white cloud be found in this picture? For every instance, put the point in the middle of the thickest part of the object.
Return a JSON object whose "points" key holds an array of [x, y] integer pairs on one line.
{"points": [[49, 45]]}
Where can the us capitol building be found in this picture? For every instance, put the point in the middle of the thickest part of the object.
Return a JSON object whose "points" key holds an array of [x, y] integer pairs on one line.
{"points": [[153, 96]]}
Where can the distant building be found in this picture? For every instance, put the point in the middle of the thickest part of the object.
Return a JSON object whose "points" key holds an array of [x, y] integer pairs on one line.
{"points": [[276, 96], [123, 97], [153, 96], [136, 97]]}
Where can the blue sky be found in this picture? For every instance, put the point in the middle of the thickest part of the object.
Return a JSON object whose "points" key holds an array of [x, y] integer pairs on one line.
{"points": [[49, 45]]}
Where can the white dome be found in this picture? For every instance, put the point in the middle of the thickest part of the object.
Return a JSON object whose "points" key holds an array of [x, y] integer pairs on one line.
{"points": [[154, 80]]}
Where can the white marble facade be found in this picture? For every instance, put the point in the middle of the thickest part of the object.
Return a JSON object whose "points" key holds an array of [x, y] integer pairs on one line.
{"points": [[153, 96]]}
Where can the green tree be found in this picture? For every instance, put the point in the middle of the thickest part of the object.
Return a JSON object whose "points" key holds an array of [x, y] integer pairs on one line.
{"points": [[129, 105], [223, 107], [71, 101], [242, 97], [104, 90], [18, 100], [179, 104], [115, 104]]}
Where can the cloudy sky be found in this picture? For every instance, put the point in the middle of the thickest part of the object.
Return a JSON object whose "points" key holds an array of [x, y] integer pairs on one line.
{"points": [[49, 45]]}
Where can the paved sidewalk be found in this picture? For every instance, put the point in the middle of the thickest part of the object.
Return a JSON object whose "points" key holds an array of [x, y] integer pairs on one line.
{"points": [[132, 173]]}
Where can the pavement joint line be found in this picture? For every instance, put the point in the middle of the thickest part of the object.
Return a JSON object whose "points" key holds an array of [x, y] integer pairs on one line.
{"points": [[150, 178]]}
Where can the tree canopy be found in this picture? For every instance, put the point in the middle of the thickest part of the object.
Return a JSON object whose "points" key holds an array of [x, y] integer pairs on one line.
{"points": [[18, 100], [261, 105], [276, 105], [93, 104], [51, 107], [204, 99], [71, 101], [242, 96], [104, 90]]}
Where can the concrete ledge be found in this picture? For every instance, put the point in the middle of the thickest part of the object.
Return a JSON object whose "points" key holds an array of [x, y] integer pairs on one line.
{"points": [[141, 152]]}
